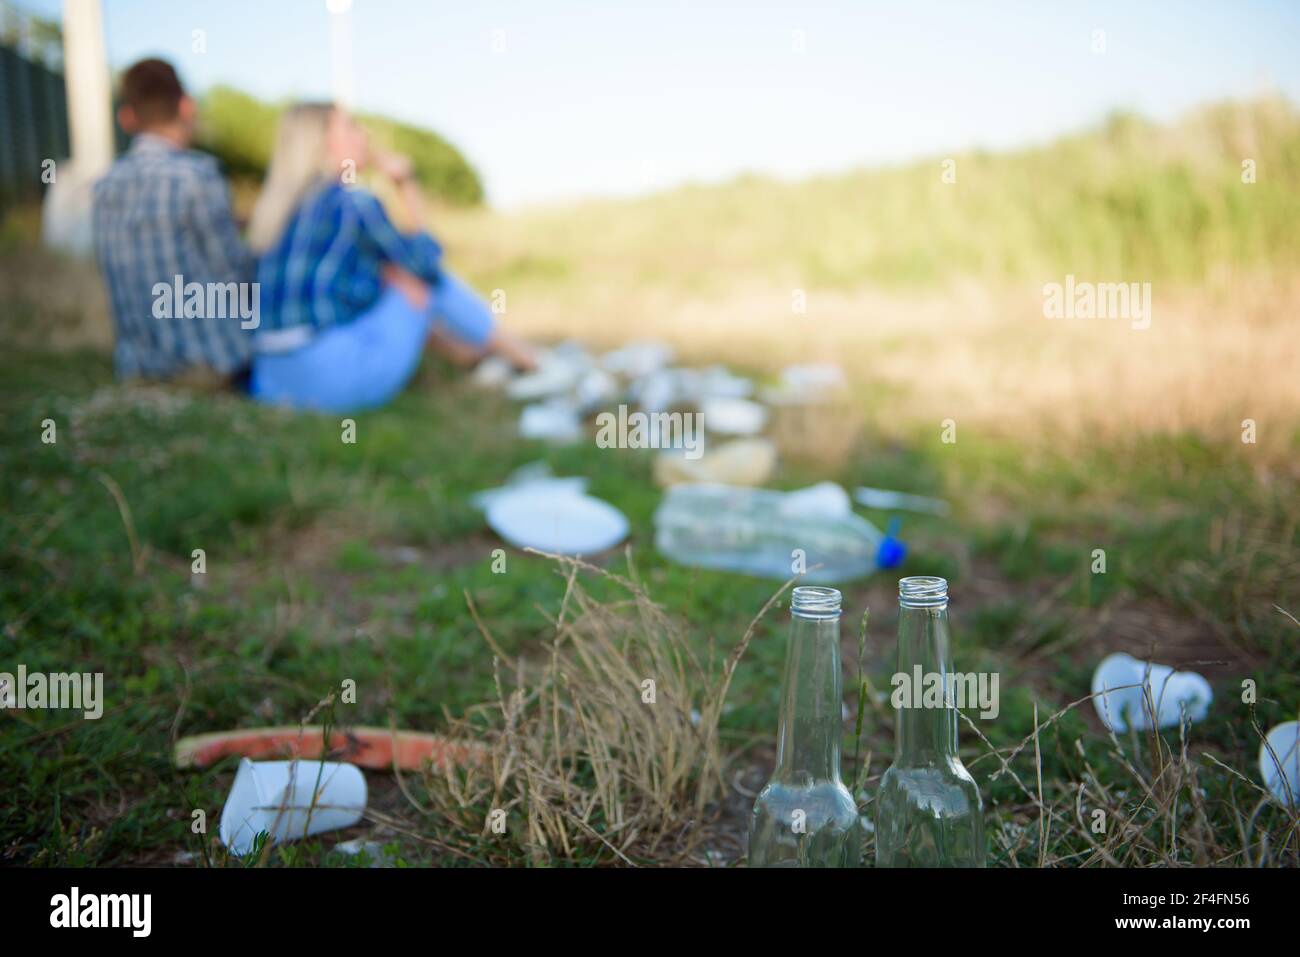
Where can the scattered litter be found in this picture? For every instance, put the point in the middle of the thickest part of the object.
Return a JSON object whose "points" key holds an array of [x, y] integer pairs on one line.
{"points": [[665, 389], [773, 534], [542, 383], [806, 384], [561, 524], [536, 510], [1127, 689], [555, 420], [656, 392], [569, 383], [536, 475], [766, 533], [595, 390], [290, 800], [380, 749], [558, 372], [637, 359], [731, 416], [886, 499], [715, 382], [737, 462], [1282, 775]]}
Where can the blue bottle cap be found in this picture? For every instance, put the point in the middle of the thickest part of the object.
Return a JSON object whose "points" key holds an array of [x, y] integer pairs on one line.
{"points": [[892, 549]]}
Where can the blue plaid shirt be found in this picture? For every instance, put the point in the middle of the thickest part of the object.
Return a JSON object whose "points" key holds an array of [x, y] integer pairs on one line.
{"points": [[326, 267], [159, 213]]}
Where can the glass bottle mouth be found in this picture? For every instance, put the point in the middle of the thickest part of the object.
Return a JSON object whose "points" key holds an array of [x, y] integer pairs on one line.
{"points": [[811, 601], [923, 591]]}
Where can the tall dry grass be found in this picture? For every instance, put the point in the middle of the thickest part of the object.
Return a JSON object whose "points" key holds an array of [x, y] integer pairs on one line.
{"points": [[602, 746]]}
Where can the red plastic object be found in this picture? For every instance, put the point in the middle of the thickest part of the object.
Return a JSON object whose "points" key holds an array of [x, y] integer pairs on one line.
{"points": [[377, 748]]}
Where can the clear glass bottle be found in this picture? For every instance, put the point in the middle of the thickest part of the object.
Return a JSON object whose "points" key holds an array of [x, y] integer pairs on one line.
{"points": [[928, 812], [805, 816]]}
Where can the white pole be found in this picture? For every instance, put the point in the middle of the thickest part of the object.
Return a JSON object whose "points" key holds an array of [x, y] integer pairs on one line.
{"points": [[90, 101], [66, 214], [340, 14]]}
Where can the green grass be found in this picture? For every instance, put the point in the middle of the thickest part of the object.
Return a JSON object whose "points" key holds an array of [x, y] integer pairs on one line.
{"points": [[328, 561]]}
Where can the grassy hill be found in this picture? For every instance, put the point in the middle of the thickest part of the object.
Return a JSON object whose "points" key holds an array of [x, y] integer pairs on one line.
{"points": [[930, 293], [1127, 199]]}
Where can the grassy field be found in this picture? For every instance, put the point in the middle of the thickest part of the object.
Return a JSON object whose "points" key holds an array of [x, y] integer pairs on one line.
{"points": [[930, 293], [329, 561]]}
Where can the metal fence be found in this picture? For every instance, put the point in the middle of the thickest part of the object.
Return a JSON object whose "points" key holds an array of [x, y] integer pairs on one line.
{"points": [[33, 124]]}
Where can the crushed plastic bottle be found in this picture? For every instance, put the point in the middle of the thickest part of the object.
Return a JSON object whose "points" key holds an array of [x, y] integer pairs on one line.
{"points": [[772, 534], [1129, 692]]}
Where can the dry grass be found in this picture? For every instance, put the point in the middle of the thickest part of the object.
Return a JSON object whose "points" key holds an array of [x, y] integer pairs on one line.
{"points": [[1153, 813], [821, 435], [985, 355], [583, 763], [587, 772], [50, 301]]}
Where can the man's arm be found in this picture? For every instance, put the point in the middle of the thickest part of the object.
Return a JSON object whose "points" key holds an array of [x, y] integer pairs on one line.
{"points": [[227, 257]]}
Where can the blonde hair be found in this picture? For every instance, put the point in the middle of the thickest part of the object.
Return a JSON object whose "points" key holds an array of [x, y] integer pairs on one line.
{"points": [[297, 164]]}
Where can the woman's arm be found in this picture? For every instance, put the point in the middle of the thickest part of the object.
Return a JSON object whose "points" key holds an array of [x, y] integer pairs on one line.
{"points": [[399, 169], [416, 252]]}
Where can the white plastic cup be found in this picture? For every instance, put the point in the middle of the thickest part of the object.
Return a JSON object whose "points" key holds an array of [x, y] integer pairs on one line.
{"points": [[732, 416], [1282, 773], [1171, 692], [276, 797]]}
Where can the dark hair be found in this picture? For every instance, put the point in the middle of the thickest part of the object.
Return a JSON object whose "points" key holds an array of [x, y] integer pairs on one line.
{"points": [[152, 91]]}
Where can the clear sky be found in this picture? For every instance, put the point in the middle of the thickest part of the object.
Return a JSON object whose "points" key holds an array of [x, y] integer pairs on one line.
{"points": [[553, 99]]}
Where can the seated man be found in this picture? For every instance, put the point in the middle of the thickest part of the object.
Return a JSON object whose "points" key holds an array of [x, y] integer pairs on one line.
{"points": [[168, 245]]}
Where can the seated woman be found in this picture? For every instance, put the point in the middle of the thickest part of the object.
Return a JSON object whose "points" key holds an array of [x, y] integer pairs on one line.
{"points": [[347, 301]]}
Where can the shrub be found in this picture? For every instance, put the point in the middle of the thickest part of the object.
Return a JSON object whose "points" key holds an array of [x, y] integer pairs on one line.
{"points": [[240, 130]]}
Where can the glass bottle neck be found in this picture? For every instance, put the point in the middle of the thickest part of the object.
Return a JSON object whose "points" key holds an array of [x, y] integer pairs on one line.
{"points": [[808, 746], [927, 726]]}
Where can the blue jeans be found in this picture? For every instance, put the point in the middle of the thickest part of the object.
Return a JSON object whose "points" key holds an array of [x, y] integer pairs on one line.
{"points": [[364, 363]]}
